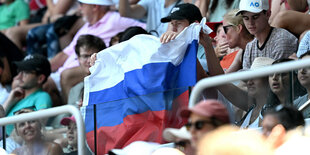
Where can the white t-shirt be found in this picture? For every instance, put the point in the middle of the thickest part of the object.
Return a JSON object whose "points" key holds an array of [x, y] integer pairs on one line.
{"points": [[155, 11]]}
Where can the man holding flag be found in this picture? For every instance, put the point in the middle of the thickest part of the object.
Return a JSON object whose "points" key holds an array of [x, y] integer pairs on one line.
{"points": [[135, 84]]}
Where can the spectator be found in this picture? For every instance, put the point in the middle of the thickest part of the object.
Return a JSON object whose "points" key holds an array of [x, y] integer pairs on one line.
{"points": [[33, 142], [282, 116], [182, 16], [33, 73], [13, 13], [269, 42], [100, 22], [152, 10], [71, 134], [303, 77], [280, 87], [204, 117], [86, 45], [237, 36]]}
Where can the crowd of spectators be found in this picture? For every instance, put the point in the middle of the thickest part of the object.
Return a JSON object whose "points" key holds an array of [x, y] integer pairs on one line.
{"points": [[48, 46]]}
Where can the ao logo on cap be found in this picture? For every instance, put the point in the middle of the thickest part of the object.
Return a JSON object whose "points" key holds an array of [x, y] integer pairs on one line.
{"points": [[254, 4]]}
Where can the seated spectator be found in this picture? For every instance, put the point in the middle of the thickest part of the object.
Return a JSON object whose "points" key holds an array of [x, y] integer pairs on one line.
{"points": [[281, 116], [33, 142], [85, 46], [180, 137], [204, 117], [302, 103], [33, 73], [237, 36], [100, 22], [280, 87], [13, 13], [152, 10], [269, 42], [71, 134], [295, 20]]}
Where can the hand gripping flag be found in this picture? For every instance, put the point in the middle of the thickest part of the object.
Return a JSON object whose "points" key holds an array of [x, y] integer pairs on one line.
{"points": [[136, 87]]}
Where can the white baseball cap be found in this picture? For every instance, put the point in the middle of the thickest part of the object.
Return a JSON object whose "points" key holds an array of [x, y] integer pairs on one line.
{"points": [[254, 6], [98, 2]]}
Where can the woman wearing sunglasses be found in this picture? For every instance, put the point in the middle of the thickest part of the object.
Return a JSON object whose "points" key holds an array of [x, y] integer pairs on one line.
{"points": [[204, 117], [237, 36]]}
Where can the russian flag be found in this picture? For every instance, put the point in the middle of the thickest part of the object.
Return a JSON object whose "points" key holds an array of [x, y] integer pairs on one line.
{"points": [[136, 86]]}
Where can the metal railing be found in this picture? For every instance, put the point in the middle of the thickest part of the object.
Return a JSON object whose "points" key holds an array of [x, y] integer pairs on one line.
{"points": [[244, 75], [49, 113]]}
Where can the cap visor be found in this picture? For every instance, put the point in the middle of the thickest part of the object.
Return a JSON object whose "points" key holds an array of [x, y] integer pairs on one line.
{"points": [[22, 65]]}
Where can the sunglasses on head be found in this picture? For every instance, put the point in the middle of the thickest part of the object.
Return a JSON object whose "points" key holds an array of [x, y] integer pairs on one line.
{"points": [[226, 28], [198, 124]]}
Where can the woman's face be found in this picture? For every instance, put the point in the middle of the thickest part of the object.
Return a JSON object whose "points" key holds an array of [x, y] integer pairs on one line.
{"points": [[279, 83], [257, 86], [29, 131], [232, 35], [304, 75]]}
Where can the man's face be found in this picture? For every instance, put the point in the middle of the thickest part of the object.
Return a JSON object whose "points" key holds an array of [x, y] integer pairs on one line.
{"points": [[255, 22], [27, 79], [86, 11], [204, 125], [179, 25], [84, 58]]}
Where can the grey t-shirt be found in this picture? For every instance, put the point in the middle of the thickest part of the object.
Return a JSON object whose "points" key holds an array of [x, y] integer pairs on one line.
{"points": [[279, 44], [299, 102]]}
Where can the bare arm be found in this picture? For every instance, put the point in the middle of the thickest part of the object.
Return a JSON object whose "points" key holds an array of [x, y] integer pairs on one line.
{"points": [[15, 95], [55, 149], [234, 94], [23, 22], [58, 61], [298, 5], [132, 11], [236, 64]]}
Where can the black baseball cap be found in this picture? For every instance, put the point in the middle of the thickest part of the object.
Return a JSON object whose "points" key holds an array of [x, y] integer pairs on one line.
{"points": [[36, 62], [184, 11]]}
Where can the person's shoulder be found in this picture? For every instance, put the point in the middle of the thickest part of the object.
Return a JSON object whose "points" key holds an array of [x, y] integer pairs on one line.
{"points": [[280, 32], [300, 100], [54, 148]]}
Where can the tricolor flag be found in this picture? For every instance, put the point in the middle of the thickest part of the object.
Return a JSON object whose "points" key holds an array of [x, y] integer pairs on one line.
{"points": [[135, 85]]}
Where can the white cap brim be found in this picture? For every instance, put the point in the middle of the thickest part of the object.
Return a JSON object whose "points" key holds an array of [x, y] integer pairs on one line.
{"points": [[97, 2]]}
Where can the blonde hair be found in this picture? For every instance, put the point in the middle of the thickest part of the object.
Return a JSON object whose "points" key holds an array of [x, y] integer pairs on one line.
{"points": [[233, 19]]}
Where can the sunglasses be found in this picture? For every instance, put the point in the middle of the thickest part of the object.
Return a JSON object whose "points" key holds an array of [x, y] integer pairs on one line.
{"points": [[198, 125], [226, 28]]}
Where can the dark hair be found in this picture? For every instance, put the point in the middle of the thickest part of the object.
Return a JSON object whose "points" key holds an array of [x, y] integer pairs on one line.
{"points": [[288, 116], [307, 53], [1, 63], [130, 32], [115, 38], [297, 89], [89, 42]]}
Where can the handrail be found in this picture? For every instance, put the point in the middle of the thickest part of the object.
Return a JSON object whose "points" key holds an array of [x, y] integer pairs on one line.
{"points": [[49, 113], [244, 75]]}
